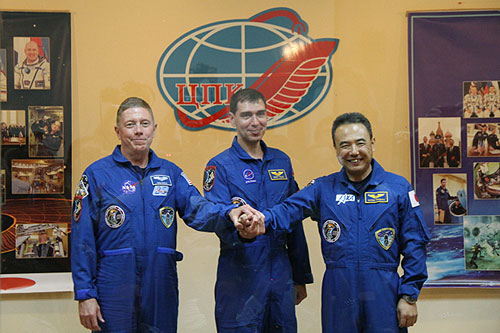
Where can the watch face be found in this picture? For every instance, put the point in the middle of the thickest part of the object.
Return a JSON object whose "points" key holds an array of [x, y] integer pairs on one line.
{"points": [[409, 299]]}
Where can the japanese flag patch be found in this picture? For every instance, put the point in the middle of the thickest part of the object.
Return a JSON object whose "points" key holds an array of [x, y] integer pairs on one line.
{"points": [[413, 199]]}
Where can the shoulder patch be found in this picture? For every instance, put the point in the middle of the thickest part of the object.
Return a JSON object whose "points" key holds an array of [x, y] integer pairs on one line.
{"points": [[209, 178], [413, 199], [167, 215], [186, 178]]}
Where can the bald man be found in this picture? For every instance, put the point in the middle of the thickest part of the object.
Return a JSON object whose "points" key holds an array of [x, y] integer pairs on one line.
{"points": [[34, 71]]}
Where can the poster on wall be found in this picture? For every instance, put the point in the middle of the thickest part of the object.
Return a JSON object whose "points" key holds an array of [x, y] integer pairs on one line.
{"points": [[455, 147], [35, 120]]}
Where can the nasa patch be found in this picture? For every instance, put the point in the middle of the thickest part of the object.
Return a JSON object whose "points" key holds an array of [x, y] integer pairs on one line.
{"points": [[114, 216], [160, 191], [249, 176], [77, 209], [209, 178], [167, 215], [331, 231], [385, 237], [159, 180], [128, 187], [277, 174]]}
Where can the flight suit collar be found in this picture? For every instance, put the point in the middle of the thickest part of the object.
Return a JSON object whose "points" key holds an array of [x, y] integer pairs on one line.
{"points": [[377, 176], [154, 161], [242, 154]]}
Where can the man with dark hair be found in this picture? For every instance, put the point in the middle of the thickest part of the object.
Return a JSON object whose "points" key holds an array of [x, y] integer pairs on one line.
{"points": [[124, 230], [425, 151], [442, 197], [367, 218], [258, 282]]}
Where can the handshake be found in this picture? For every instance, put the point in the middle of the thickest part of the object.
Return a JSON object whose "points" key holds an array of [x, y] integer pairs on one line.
{"points": [[248, 221]]}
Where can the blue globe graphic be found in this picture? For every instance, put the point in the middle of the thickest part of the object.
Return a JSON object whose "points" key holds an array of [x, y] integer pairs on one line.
{"points": [[199, 70]]}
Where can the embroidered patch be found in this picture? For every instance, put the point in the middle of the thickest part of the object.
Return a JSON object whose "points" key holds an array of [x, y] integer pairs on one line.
{"points": [[128, 187], [277, 174], [343, 198], [186, 178], [376, 197], [164, 180], [238, 201], [209, 178], [167, 215], [331, 231], [77, 209], [249, 176], [82, 189], [385, 237], [114, 217], [413, 199], [160, 191]]}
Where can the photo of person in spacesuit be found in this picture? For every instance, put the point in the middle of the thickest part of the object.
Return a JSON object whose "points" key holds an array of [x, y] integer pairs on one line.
{"points": [[33, 72]]}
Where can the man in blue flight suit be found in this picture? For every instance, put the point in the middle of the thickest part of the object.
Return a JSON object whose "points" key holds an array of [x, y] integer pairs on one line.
{"points": [[367, 218], [258, 282], [123, 251]]}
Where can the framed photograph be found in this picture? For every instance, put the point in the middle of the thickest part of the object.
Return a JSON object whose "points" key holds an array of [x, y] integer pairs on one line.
{"points": [[3, 75], [37, 176], [450, 198], [482, 242], [41, 240], [487, 180], [482, 140], [481, 99], [439, 142], [31, 63], [46, 131], [13, 125]]}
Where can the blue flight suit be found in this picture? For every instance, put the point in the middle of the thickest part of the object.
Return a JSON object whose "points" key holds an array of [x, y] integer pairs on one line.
{"points": [[442, 197], [362, 238], [123, 239], [255, 280]]}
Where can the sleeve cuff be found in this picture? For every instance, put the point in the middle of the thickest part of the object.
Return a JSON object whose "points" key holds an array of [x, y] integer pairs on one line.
{"points": [[85, 294]]}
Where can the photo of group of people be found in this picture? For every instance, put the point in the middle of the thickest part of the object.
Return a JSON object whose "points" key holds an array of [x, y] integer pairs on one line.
{"points": [[13, 126], [37, 176], [41, 240], [482, 139], [481, 99], [439, 142]]}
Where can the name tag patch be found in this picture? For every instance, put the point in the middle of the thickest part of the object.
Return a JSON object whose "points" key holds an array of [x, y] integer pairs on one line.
{"points": [[277, 174], [160, 191], [376, 197]]}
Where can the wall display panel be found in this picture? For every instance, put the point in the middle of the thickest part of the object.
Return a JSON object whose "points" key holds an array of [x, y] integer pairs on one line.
{"points": [[454, 114], [35, 121]]}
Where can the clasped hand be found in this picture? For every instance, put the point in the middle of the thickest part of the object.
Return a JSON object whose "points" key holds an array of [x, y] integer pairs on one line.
{"points": [[248, 221]]}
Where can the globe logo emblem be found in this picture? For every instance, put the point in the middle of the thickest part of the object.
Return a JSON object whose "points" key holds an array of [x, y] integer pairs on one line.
{"points": [[270, 52]]}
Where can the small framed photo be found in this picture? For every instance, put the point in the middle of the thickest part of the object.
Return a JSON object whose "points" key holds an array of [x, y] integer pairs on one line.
{"points": [[3, 75], [46, 131], [37, 176], [450, 197], [439, 142], [482, 140], [13, 126], [487, 180], [481, 99], [31, 63], [482, 242], [48, 240]]}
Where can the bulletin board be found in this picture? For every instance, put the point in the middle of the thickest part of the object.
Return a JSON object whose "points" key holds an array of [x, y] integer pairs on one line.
{"points": [[454, 73], [35, 116]]}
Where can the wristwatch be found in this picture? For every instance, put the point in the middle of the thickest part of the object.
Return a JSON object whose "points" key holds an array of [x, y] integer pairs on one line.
{"points": [[409, 299]]}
